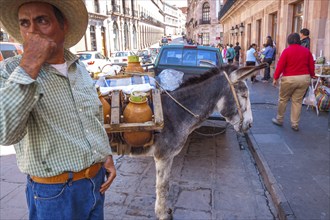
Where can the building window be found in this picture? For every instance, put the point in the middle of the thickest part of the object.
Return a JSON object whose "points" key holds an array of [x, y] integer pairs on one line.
{"points": [[274, 26], [206, 12], [134, 38], [297, 16], [206, 39], [258, 28], [249, 32], [96, 6], [103, 38], [93, 37], [126, 41], [115, 36]]}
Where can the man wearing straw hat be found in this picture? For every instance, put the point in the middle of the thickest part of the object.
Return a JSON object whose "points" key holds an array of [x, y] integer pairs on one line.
{"points": [[50, 111]]}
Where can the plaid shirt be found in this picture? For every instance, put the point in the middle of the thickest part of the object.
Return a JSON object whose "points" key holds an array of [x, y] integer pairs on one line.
{"points": [[54, 122]]}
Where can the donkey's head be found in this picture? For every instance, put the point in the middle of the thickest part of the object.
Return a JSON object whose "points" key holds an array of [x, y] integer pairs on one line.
{"points": [[235, 105]]}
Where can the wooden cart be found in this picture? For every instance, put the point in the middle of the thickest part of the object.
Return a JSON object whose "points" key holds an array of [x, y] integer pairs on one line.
{"points": [[115, 126]]}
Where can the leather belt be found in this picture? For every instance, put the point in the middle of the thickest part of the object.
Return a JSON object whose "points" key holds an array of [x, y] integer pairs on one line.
{"points": [[88, 173]]}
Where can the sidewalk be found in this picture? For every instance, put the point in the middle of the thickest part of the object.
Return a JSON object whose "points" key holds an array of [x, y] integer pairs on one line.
{"points": [[295, 165]]}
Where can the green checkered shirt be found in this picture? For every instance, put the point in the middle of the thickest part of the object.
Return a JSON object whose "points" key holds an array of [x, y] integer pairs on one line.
{"points": [[54, 122]]}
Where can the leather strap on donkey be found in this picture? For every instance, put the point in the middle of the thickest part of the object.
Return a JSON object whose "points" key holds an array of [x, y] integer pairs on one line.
{"points": [[231, 84], [236, 99]]}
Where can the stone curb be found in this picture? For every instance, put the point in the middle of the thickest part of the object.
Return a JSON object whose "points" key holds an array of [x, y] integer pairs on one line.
{"points": [[281, 204]]}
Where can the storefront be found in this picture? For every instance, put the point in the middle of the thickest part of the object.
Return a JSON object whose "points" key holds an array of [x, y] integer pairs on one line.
{"points": [[250, 22]]}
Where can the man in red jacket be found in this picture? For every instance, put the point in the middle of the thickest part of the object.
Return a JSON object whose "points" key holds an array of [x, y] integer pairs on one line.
{"points": [[296, 67]]}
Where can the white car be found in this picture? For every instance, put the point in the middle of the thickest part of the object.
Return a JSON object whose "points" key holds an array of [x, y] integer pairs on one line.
{"points": [[121, 57], [93, 60], [9, 49]]}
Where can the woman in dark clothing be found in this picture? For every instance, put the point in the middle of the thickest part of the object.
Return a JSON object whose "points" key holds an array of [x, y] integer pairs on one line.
{"points": [[304, 37], [268, 58]]}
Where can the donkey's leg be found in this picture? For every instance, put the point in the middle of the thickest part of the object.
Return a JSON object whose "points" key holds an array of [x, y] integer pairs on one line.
{"points": [[163, 171]]}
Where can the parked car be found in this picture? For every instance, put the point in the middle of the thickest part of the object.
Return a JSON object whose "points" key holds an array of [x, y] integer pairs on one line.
{"points": [[9, 49], [93, 60], [169, 38], [191, 60], [146, 56], [121, 57], [163, 41], [154, 50]]}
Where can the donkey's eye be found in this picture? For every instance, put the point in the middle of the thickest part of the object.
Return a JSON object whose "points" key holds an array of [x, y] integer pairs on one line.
{"points": [[245, 95]]}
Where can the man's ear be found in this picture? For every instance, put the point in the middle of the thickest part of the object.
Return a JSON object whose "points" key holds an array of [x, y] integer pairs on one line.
{"points": [[66, 26], [245, 72]]}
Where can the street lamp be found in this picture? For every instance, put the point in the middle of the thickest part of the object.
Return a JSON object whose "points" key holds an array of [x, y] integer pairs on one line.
{"points": [[232, 31], [241, 28], [236, 30]]}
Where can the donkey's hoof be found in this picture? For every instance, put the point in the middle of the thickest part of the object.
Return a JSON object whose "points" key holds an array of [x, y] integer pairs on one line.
{"points": [[168, 215]]}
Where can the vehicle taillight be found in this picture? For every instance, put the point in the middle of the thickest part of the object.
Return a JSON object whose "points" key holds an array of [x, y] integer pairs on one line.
{"points": [[91, 62], [124, 60]]}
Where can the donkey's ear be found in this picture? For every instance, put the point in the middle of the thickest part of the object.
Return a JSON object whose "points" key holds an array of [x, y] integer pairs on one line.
{"points": [[244, 72]]}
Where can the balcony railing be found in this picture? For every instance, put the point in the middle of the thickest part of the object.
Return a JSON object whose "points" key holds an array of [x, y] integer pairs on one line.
{"points": [[225, 8], [116, 8], [201, 21], [127, 11], [150, 20], [135, 13]]}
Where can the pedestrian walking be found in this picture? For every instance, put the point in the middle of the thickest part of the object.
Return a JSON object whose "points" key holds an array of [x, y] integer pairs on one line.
{"points": [[295, 67], [304, 37], [237, 49], [224, 54], [230, 54], [268, 54], [50, 111], [251, 59]]}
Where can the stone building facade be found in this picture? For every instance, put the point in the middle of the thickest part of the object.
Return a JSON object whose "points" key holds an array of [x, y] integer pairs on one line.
{"points": [[116, 25], [173, 17], [248, 22], [202, 24]]}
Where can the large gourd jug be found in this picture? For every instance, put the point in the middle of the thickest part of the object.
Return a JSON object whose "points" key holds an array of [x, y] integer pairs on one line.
{"points": [[137, 111], [105, 105], [134, 65]]}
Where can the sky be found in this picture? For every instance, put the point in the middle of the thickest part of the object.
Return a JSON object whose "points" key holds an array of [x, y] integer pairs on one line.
{"points": [[178, 3]]}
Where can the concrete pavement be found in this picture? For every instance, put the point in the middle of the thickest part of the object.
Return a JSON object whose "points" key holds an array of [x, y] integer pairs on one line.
{"points": [[295, 165]]}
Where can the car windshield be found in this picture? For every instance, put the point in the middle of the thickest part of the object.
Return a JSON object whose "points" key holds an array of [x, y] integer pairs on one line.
{"points": [[85, 56], [189, 57]]}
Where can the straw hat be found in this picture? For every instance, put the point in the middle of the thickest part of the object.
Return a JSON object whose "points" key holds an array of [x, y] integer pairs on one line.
{"points": [[73, 10]]}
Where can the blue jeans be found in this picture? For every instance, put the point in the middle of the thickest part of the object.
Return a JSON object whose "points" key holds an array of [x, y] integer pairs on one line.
{"points": [[267, 70], [80, 199]]}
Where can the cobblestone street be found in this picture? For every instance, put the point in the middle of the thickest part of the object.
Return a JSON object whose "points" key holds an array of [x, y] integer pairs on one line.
{"points": [[211, 179]]}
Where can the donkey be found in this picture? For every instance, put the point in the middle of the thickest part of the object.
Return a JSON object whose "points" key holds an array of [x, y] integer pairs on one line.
{"points": [[202, 95]]}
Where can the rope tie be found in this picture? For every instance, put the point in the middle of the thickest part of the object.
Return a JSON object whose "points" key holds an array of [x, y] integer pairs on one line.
{"points": [[176, 101]]}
